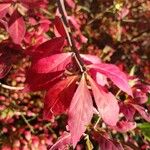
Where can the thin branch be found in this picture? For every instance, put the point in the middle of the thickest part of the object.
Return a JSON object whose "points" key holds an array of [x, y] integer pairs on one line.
{"points": [[70, 38], [27, 122], [133, 39], [97, 122], [10, 87]]}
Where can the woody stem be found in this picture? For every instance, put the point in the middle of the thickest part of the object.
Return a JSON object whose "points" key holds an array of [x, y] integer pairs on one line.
{"points": [[70, 38]]}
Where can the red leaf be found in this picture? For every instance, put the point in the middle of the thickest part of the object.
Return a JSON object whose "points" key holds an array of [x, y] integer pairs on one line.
{"points": [[59, 26], [52, 63], [64, 140], [80, 111], [33, 4], [16, 28], [58, 97], [37, 81], [48, 48], [124, 126], [107, 144], [140, 97], [9, 54], [115, 74], [142, 111], [5, 66], [106, 103], [5, 62], [127, 110], [4, 9]]}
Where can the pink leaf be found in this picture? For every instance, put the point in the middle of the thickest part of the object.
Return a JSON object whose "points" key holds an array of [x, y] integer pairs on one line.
{"points": [[124, 126], [83, 39], [52, 63], [16, 28], [64, 140], [115, 74], [80, 111], [90, 59], [142, 111], [4, 9], [4, 24], [74, 22], [58, 97], [71, 3], [99, 78], [106, 103], [123, 13]]}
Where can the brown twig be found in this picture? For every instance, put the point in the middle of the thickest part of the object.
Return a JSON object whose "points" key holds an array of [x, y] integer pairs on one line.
{"points": [[70, 38]]}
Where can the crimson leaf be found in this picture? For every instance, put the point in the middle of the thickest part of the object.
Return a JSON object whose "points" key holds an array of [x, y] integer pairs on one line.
{"points": [[40, 81], [52, 63], [4, 9], [59, 26], [58, 97], [47, 48], [16, 28]]}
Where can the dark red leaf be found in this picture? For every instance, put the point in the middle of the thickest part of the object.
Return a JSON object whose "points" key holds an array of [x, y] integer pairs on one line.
{"points": [[9, 54], [59, 26], [58, 97], [107, 144], [5, 62], [5, 67], [33, 4], [39, 81]]}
